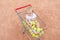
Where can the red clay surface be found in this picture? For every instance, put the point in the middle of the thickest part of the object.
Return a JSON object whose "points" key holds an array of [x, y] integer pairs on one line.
{"points": [[48, 11]]}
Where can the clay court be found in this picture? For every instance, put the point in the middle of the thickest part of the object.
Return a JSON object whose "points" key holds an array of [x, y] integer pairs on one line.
{"points": [[47, 10]]}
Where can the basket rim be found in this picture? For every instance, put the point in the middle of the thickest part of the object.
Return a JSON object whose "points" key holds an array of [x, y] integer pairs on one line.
{"points": [[23, 7]]}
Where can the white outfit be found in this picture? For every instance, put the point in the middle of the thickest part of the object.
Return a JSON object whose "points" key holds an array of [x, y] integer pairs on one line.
{"points": [[32, 17]]}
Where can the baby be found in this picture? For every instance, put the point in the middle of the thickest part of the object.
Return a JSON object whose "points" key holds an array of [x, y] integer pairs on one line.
{"points": [[33, 21]]}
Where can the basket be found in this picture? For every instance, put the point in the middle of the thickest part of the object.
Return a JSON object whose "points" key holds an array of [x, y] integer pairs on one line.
{"points": [[32, 24]]}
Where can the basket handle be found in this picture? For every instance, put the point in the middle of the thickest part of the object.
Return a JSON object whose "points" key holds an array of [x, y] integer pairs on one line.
{"points": [[22, 7]]}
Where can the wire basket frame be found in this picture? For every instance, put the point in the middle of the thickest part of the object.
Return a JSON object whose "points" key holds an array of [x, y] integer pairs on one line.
{"points": [[22, 15]]}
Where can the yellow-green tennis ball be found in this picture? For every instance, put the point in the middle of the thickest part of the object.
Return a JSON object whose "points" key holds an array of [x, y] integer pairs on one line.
{"points": [[41, 33], [39, 29], [33, 26], [37, 36], [33, 35], [33, 22]]}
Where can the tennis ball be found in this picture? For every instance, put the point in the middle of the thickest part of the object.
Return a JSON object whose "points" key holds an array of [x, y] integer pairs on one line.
{"points": [[33, 23], [37, 36], [34, 35], [33, 26], [39, 29], [41, 33]]}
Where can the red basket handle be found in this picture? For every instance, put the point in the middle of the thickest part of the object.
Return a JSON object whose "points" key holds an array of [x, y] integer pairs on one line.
{"points": [[22, 7]]}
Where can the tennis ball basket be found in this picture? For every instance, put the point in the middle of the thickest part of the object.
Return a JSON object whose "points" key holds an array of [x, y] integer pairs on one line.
{"points": [[31, 22]]}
